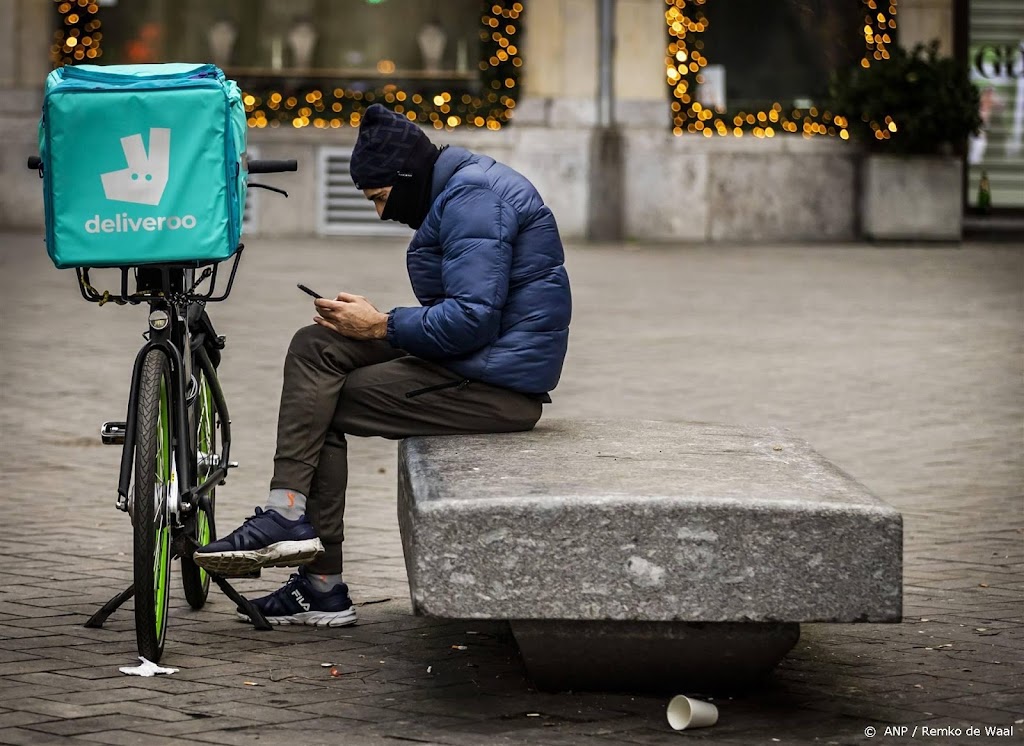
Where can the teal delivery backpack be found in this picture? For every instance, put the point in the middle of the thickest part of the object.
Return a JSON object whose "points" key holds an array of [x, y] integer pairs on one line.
{"points": [[142, 164]]}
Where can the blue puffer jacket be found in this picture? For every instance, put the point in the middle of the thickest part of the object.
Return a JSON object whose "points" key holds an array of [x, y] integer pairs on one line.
{"points": [[487, 265]]}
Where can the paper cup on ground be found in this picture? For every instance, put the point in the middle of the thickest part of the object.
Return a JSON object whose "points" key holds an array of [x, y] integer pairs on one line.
{"points": [[685, 713]]}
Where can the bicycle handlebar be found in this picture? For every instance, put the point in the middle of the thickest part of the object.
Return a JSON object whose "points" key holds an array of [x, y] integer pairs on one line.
{"points": [[255, 167], [272, 167]]}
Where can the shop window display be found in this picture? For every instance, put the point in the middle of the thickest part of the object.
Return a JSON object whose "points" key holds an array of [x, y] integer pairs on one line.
{"points": [[320, 62]]}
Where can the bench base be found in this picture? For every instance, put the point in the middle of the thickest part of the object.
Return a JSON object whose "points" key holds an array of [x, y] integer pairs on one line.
{"points": [[652, 657]]}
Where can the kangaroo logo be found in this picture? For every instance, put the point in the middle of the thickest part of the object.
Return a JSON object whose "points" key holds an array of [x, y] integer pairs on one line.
{"points": [[145, 178]]}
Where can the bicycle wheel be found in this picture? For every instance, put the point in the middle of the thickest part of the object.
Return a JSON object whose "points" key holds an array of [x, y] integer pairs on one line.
{"points": [[154, 477], [200, 525]]}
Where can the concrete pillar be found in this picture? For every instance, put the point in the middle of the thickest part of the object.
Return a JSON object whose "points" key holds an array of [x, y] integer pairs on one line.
{"points": [[582, 178], [560, 52], [34, 30], [543, 49], [561, 60], [25, 38], [604, 222], [26, 33], [642, 38], [8, 40], [921, 21]]}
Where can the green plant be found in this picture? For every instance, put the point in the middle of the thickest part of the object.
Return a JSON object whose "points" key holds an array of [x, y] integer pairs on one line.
{"points": [[915, 102]]}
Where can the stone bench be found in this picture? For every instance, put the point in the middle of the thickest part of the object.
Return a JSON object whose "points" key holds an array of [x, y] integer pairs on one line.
{"points": [[644, 556]]}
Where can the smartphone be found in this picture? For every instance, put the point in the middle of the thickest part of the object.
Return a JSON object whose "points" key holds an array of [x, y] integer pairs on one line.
{"points": [[306, 290]]}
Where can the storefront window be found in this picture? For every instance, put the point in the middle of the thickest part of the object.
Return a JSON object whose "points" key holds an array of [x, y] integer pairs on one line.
{"points": [[750, 66], [320, 62], [995, 157], [781, 51]]}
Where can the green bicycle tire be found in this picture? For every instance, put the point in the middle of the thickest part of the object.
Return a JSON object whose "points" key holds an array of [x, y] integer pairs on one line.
{"points": [[200, 526], [152, 532]]}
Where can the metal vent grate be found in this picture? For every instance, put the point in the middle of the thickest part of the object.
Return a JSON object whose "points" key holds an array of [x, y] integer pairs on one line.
{"points": [[343, 210]]}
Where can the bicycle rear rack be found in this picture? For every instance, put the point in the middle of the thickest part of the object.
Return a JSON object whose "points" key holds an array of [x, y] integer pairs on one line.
{"points": [[167, 290]]}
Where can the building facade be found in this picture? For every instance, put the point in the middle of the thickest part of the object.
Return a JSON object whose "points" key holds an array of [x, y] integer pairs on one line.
{"points": [[723, 136]]}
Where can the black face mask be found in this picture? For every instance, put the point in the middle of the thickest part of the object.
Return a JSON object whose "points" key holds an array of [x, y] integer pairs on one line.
{"points": [[409, 201]]}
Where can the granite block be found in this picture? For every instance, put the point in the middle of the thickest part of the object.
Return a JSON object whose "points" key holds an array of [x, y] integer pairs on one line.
{"points": [[666, 188], [643, 521], [781, 196], [912, 198]]}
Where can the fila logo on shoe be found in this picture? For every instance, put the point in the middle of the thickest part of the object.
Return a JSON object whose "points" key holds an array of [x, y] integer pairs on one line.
{"points": [[145, 178], [302, 601]]}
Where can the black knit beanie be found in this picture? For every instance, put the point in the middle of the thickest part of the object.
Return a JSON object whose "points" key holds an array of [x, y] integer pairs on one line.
{"points": [[385, 144]]}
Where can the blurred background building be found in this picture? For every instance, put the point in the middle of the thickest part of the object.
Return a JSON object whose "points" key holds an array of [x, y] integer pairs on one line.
{"points": [[724, 131]]}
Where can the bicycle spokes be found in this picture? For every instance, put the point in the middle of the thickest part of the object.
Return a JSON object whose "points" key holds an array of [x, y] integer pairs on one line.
{"points": [[165, 482]]}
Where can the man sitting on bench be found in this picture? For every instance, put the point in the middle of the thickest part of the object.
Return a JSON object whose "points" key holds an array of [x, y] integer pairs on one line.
{"points": [[478, 356]]}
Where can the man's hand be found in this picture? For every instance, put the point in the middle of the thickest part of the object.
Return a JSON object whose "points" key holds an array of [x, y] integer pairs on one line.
{"points": [[351, 316]]}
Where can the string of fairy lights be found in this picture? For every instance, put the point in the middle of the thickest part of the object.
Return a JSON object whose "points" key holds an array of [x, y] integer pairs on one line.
{"points": [[491, 107], [488, 104], [685, 60], [877, 28], [79, 39]]}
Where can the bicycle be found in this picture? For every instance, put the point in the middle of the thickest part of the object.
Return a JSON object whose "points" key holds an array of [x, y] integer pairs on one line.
{"points": [[172, 459]]}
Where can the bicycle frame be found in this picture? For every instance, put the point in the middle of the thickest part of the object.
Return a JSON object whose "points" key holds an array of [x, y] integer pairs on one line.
{"points": [[174, 342]]}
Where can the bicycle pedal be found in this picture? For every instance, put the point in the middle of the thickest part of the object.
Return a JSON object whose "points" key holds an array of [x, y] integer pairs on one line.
{"points": [[112, 433]]}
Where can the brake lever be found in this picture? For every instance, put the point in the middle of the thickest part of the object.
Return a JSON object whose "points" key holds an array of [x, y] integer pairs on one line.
{"points": [[270, 188]]}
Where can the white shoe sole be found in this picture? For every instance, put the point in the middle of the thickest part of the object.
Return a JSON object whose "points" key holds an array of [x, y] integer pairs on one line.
{"points": [[281, 554], [313, 618]]}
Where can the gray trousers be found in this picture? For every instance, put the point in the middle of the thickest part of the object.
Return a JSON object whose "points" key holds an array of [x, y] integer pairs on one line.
{"points": [[335, 386]]}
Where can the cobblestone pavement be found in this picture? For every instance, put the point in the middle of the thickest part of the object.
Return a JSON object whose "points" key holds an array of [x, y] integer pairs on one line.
{"points": [[903, 366]]}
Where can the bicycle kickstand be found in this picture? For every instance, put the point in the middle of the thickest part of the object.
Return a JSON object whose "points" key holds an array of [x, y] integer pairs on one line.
{"points": [[256, 617], [96, 620]]}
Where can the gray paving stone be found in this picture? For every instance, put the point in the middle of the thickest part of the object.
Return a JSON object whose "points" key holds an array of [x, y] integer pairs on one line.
{"points": [[19, 718], [23, 737], [245, 736], [182, 729], [105, 696], [130, 738], [80, 725], [253, 713]]}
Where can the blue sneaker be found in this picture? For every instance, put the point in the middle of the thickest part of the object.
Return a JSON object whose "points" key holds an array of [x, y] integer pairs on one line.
{"points": [[266, 539], [297, 602]]}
